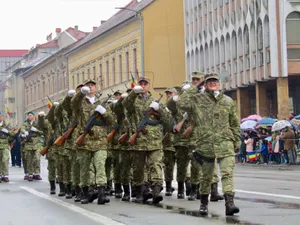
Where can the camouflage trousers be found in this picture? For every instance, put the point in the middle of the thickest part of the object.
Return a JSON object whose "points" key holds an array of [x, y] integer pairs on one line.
{"points": [[126, 166], [32, 158], [97, 159], [169, 162], [182, 160], [4, 157], [215, 175], [75, 168], [226, 165], [24, 162], [153, 160], [63, 166], [51, 157], [109, 165], [116, 164]]}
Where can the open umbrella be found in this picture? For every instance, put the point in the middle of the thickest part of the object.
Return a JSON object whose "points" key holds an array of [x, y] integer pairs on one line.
{"points": [[267, 121], [279, 125], [249, 124], [244, 119], [297, 117], [254, 117]]}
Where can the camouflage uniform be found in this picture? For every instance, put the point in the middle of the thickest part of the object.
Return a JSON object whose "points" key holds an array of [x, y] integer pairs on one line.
{"points": [[32, 146], [95, 144], [4, 150]]}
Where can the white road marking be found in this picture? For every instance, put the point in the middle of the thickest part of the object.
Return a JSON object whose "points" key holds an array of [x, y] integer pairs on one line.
{"points": [[93, 216], [267, 194]]}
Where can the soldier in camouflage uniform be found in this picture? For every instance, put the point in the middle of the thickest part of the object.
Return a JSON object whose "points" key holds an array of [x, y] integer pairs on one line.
{"points": [[6, 134], [169, 150], [148, 147], [32, 145], [94, 148], [47, 130], [217, 128]]}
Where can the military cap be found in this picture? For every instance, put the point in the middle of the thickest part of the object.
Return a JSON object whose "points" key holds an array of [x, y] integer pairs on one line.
{"points": [[79, 86], [31, 112], [144, 79], [211, 76], [197, 74], [171, 90], [90, 81], [118, 92]]}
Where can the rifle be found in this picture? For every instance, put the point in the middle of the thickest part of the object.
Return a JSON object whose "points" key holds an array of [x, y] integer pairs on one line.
{"points": [[113, 132], [91, 122], [14, 142], [198, 157], [47, 147], [187, 133], [167, 134], [144, 122], [61, 139]]}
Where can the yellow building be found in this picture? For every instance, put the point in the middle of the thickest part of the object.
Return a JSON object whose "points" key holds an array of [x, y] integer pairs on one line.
{"points": [[111, 54]]}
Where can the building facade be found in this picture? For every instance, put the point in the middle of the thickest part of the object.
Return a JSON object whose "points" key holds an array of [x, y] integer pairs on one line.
{"points": [[256, 42]]}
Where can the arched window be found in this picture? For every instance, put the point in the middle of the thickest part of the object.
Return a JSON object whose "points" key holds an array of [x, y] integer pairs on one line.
{"points": [[266, 32], [192, 61], [240, 43], [293, 28], [259, 35], [246, 39], [222, 49], [211, 54], [197, 58], [201, 58], [217, 51], [206, 58], [252, 37], [188, 65], [233, 46], [228, 47]]}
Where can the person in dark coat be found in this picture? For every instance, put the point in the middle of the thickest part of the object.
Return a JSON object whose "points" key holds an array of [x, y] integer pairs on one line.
{"points": [[15, 151]]}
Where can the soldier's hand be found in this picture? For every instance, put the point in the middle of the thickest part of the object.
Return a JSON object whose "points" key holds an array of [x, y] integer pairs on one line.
{"points": [[85, 90], [185, 116], [186, 86], [33, 129], [25, 133], [55, 103], [4, 130], [137, 89], [71, 93], [175, 98], [42, 113], [154, 105], [124, 95], [100, 109]]}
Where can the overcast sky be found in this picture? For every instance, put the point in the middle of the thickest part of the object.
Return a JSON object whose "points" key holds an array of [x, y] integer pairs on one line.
{"points": [[25, 23]]}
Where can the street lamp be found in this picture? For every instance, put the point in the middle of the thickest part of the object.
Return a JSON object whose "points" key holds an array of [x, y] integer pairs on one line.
{"points": [[139, 15]]}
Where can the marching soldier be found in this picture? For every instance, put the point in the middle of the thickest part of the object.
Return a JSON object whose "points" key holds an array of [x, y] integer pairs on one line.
{"points": [[32, 145], [94, 148], [217, 129]]}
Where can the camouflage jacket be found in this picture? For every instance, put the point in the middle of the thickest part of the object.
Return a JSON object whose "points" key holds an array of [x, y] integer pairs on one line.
{"points": [[48, 132], [60, 128], [5, 139], [97, 137], [169, 137], [136, 105], [216, 123], [34, 139]]}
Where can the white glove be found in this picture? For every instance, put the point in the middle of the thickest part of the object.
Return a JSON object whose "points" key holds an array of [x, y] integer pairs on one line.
{"points": [[115, 101], [100, 109], [175, 98], [186, 86], [185, 116], [124, 95], [26, 133], [33, 129], [137, 89], [42, 113], [55, 103], [71, 93], [4, 130], [85, 90], [154, 105], [23, 135]]}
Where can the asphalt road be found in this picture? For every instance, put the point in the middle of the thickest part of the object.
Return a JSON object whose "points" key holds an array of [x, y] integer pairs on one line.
{"points": [[265, 195]]}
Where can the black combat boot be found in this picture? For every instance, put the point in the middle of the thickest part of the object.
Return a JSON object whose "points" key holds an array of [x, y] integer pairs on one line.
{"points": [[85, 196], [93, 194], [147, 194], [203, 205], [229, 204], [192, 196], [198, 192], [180, 194], [139, 194], [118, 190], [62, 189], [109, 188], [169, 188], [133, 190], [69, 191], [157, 197], [188, 186], [126, 196], [214, 195], [78, 194], [102, 198], [52, 187]]}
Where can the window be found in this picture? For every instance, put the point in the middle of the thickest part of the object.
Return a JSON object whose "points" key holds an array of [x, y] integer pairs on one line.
{"points": [[106, 73], [127, 65], [120, 69], [259, 35], [135, 61], [266, 32], [73, 82], [293, 28], [94, 73], [83, 78], [88, 74], [101, 86], [44, 89], [246, 40], [53, 84], [293, 53], [114, 80]]}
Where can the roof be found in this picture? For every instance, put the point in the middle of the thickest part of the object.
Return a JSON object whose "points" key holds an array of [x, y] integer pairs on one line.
{"points": [[77, 35], [117, 19], [13, 53], [50, 44]]}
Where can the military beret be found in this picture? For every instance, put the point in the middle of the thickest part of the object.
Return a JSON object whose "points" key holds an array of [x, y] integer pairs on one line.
{"points": [[90, 81], [31, 112], [171, 90], [197, 74], [144, 79], [118, 92], [211, 76]]}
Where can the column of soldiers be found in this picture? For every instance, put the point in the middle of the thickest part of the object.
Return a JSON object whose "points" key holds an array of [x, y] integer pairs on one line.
{"points": [[133, 138]]}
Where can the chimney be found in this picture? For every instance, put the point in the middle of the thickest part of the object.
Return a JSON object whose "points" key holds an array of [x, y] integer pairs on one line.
{"points": [[102, 22], [58, 31], [49, 37], [94, 28], [76, 29]]}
